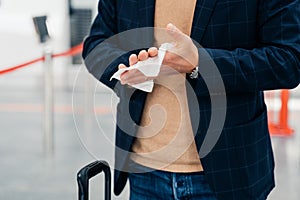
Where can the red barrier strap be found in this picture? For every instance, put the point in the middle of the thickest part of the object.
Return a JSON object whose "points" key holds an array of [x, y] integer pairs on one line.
{"points": [[71, 52], [4, 71]]}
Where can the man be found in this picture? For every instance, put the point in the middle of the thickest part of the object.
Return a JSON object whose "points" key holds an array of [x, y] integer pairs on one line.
{"points": [[255, 46]]}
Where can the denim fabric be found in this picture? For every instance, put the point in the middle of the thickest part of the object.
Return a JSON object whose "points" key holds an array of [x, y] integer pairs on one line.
{"points": [[156, 185]]}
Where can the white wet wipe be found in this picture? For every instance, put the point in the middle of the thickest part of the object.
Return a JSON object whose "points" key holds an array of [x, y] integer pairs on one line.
{"points": [[149, 67]]}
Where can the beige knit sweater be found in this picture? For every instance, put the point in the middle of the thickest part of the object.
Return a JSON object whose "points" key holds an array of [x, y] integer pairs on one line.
{"points": [[165, 140]]}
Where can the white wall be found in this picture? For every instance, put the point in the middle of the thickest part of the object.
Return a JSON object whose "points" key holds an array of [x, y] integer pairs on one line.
{"points": [[18, 40]]}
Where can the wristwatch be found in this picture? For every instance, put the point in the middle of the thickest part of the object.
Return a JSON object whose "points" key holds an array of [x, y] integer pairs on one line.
{"points": [[195, 73]]}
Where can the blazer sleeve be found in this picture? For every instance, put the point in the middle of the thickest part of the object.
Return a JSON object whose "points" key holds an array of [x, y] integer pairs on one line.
{"points": [[101, 54], [274, 64]]}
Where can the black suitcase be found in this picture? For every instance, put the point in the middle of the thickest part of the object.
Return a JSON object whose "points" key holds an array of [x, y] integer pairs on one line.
{"points": [[89, 171]]}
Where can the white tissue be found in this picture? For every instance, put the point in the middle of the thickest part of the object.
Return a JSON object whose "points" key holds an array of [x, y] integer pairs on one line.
{"points": [[149, 68]]}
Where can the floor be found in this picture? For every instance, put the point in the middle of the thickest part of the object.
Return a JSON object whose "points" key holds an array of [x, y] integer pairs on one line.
{"points": [[83, 132]]}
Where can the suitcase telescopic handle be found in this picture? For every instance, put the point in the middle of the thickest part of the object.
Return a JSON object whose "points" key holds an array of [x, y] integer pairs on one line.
{"points": [[89, 171]]}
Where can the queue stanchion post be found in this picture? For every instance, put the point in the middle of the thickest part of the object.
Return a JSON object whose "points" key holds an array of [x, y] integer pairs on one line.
{"points": [[47, 58], [48, 102], [41, 28]]}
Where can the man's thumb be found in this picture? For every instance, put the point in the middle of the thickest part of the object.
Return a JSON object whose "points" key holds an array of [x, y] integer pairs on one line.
{"points": [[174, 32]]}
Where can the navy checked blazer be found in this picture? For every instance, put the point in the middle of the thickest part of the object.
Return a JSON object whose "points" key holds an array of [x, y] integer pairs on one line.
{"points": [[255, 45]]}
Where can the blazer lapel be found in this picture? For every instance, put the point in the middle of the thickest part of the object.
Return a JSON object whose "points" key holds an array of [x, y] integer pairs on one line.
{"points": [[203, 12], [146, 13]]}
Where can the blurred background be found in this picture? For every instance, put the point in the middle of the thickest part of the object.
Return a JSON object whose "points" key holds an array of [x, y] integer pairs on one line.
{"points": [[50, 128]]}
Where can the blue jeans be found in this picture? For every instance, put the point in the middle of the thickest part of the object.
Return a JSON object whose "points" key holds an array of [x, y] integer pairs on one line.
{"points": [[156, 185]]}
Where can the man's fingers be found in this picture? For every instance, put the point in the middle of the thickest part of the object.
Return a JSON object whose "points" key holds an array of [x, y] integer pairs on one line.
{"points": [[137, 80], [121, 66], [133, 59], [153, 51], [133, 77], [175, 32], [143, 55], [126, 76]]}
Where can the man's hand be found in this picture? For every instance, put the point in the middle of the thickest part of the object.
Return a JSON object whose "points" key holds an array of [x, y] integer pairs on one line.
{"points": [[135, 76], [183, 57]]}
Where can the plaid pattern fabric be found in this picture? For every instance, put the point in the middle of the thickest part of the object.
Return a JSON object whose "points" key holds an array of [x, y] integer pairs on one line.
{"points": [[255, 45]]}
